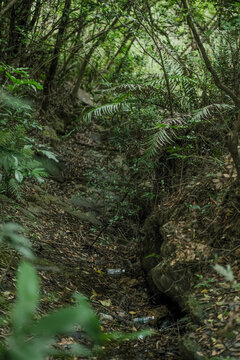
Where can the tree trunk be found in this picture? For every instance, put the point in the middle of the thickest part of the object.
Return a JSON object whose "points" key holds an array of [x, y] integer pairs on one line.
{"points": [[18, 28], [55, 57], [88, 57], [233, 139], [124, 41], [118, 69], [83, 66]]}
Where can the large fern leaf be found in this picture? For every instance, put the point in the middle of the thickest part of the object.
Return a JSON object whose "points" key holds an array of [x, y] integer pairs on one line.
{"points": [[210, 110], [5, 138], [107, 109], [166, 132], [13, 188]]}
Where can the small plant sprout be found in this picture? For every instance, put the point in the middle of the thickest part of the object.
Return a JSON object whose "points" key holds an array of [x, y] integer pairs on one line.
{"points": [[226, 272]]}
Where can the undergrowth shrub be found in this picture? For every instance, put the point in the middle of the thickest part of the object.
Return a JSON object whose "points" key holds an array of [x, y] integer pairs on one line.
{"points": [[16, 119], [32, 336]]}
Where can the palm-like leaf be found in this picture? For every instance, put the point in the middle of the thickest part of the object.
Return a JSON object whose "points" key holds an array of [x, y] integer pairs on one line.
{"points": [[210, 110], [106, 109], [167, 131]]}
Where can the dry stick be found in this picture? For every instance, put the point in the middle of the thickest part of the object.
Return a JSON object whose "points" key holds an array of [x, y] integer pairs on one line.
{"points": [[7, 7]]}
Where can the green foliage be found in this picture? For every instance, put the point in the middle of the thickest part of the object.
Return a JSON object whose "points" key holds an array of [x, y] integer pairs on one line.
{"points": [[107, 109], [33, 339], [16, 148], [12, 234], [16, 166], [19, 78], [226, 272], [165, 134], [205, 283]]}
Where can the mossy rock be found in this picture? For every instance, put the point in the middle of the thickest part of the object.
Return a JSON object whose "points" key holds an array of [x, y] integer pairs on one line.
{"points": [[196, 309], [44, 200], [81, 202], [50, 134], [58, 125], [189, 349], [54, 169], [172, 281], [88, 216]]}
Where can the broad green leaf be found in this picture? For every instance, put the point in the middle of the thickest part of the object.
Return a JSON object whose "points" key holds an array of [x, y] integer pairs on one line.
{"points": [[11, 228], [20, 348], [58, 322], [226, 272], [64, 320], [18, 176], [48, 154], [89, 321], [27, 296], [10, 233], [8, 162], [15, 160]]}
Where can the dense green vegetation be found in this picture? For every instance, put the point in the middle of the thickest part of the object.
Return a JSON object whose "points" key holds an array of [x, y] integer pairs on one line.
{"points": [[165, 70], [161, 79]]}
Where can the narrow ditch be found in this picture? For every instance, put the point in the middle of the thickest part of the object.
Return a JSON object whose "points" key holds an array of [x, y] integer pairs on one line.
{"points": [[116, 244]]}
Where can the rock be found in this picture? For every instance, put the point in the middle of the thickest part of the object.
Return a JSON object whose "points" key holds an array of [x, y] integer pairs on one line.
{"points": [[151, 243], [96, 137], [80, 202], [58, 125], [36, 210], [172, 260], [85, 97], [88, 217], [172, 281], [190, 349], [44, 200], [50, 134], [54, 169], [196, 309]]}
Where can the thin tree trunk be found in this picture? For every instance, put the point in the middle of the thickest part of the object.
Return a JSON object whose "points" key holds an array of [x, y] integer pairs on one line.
{"points": [[55, 57], [124, 41], [233, 139], [88, 57], [18, 28], [118, 69], [7, 7], [206, 59], [165, 74], [83, 66]]}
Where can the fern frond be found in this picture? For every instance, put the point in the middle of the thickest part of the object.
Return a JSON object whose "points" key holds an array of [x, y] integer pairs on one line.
{"points": [[5, 138], [14, 189], [210, 110], [13, 139], [126, 87], [107, 109], [166, 132]]}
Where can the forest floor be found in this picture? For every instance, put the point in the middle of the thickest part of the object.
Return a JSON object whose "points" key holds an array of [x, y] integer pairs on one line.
{"points": [[76, 241]]}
